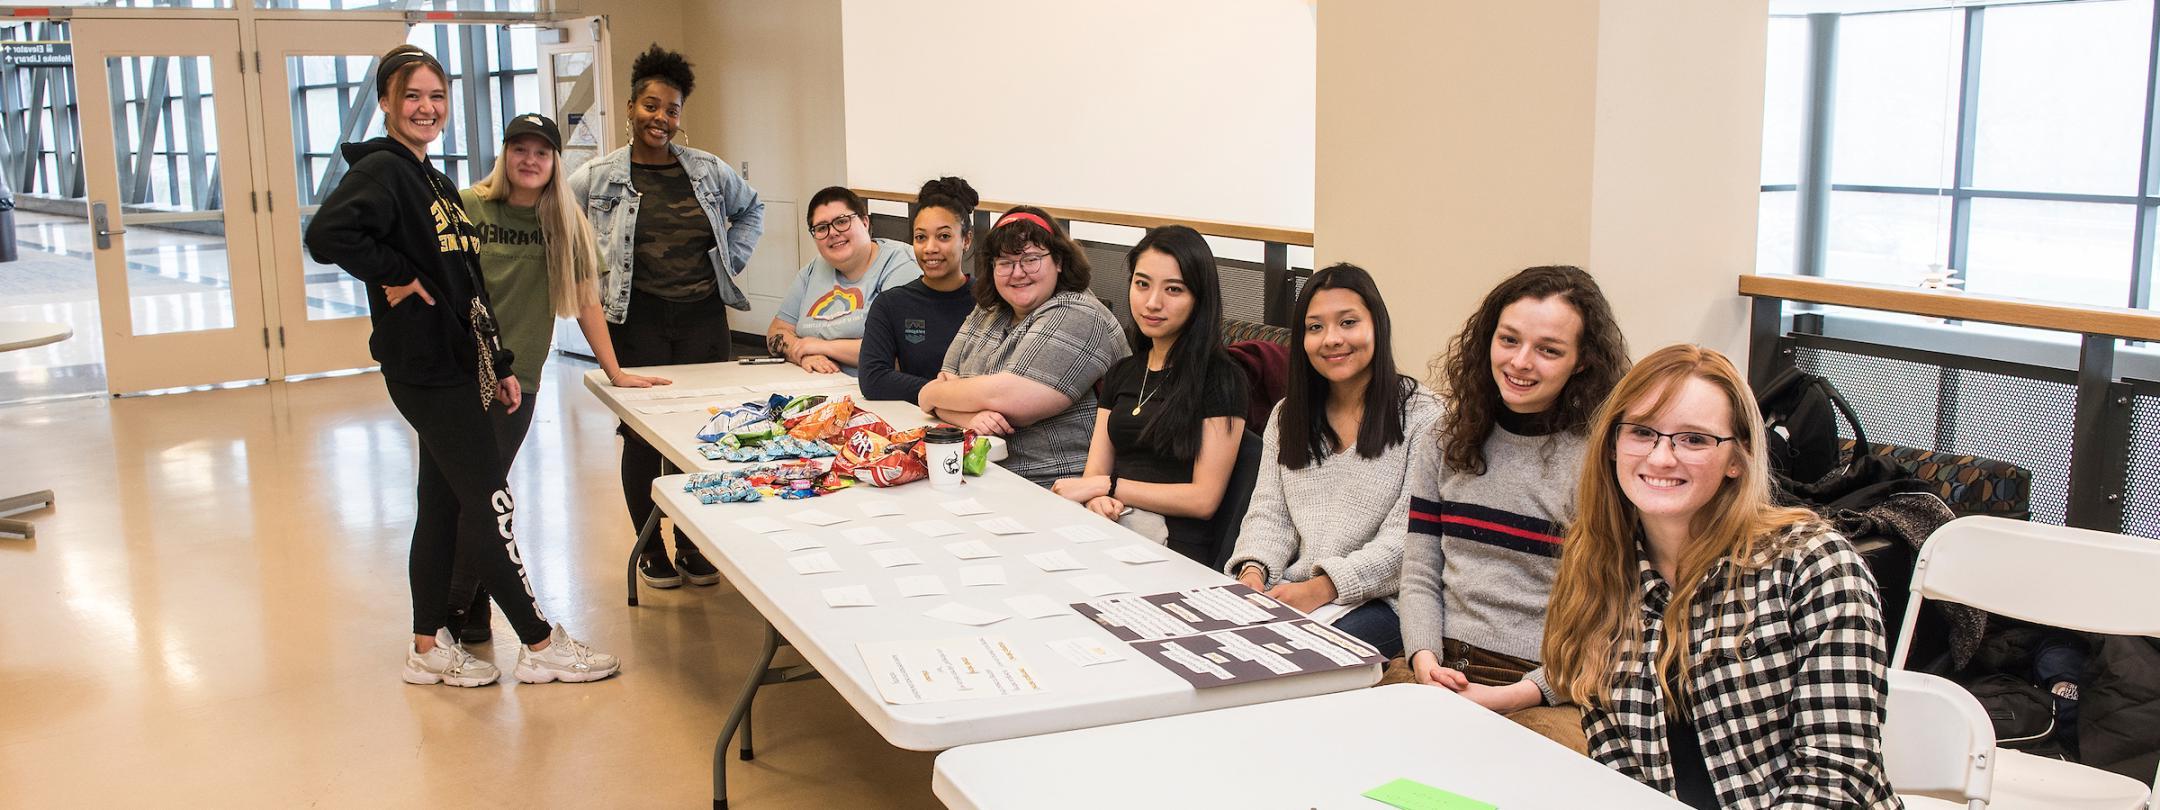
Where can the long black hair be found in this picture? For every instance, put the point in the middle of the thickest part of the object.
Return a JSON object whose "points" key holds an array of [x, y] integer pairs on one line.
{"points": [[1305, 436], [1197, 353]]}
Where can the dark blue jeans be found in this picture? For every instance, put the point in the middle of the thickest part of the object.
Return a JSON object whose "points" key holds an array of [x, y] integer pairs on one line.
{"points": [[1374, 623]]}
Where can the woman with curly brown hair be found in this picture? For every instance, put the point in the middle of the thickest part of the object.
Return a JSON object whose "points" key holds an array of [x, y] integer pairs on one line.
{"points": [[1521, 379]]}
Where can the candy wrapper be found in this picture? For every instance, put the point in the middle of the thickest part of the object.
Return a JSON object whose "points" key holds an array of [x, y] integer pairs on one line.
{"points": [[728, 420], [752, 435], [977, 456], [775, 449], [787, 411], [823, 421]]}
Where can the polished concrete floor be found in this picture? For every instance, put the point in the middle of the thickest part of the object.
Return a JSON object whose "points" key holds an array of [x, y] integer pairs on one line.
{"points": [[216, 611]]}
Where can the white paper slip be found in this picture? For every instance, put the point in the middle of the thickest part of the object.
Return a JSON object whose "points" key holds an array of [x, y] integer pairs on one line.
{"points": [[879, 507], [796, 541], [868, 535], [1328, 613], [973, 575], [1098, 585], [1137, 554], [1004, 525], [920, 586], [761, 525], [972, 550], [965, 507], [934, 528], [819, 563], [895, 557], [1036, 606], [948, 669], [962, 614], [849, 596], [1059, 560], [1083, 534], [666, 392], [818, 518], [1085, 652], [674, 407]]}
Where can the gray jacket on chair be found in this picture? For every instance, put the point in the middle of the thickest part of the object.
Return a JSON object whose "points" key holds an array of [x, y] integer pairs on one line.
{"points": [[602, 186]]}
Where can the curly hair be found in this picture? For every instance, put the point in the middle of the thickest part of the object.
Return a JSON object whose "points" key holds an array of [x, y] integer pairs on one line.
{"points": [[1009, 236], [952, 194], [1464, 371], [659, 64]]}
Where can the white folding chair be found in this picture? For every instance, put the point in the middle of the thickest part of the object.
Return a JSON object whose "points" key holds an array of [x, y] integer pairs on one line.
{"points": [[2097, 582], [1937, 741]]}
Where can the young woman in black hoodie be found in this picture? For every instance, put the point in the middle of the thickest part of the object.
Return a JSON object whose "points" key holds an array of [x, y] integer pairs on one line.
{"points": [[395, 222]]}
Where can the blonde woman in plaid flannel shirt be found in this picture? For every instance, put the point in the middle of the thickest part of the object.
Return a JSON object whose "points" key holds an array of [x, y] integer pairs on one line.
{"points": [[1774, 697]]}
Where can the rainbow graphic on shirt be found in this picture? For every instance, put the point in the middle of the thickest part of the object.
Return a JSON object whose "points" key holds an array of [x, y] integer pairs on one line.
{"points": [[840, 301]]}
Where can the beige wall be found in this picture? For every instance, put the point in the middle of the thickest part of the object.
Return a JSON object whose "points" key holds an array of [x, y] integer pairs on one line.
{"points": [[1461, 141]]}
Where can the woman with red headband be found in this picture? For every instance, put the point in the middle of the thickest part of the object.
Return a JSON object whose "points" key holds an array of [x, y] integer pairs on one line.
{"points": [[1025, 363]]}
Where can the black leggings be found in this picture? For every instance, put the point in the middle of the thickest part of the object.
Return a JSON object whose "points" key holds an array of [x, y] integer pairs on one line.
{"points": [[659, 332], [464, 510], [467, 594]]}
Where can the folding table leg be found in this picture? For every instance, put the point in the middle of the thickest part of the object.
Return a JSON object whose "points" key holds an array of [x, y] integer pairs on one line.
{"points": [[645, 534], [747, 726], [23, 503], [741, 712]]}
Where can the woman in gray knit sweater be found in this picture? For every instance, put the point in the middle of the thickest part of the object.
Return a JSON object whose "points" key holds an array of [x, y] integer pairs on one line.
{"points": [[1523, 376], [1328, 515]]}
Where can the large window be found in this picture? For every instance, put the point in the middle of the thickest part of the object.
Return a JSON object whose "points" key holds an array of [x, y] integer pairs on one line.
{"points": [[2005, 143]]}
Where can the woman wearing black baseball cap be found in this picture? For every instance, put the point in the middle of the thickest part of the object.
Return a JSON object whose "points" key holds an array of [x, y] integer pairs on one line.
{"points": [[395, 222], [538, 255]]}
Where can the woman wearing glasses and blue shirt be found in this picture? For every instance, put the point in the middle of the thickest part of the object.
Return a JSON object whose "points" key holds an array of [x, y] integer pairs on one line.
{"points": [[1025, 362], [820, 322]]}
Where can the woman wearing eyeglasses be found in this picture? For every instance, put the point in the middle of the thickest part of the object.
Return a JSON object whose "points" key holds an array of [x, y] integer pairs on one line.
{"points": [[1523, 377], [676, 226], [1025, 363], [1724, 650], [820, 323]]}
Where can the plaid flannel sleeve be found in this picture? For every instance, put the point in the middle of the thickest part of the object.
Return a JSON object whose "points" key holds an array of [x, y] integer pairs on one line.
{"points": [[1840, 688]]}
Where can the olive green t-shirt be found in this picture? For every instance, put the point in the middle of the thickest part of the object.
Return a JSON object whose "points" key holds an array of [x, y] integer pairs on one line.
{"points": [[513, 258]]}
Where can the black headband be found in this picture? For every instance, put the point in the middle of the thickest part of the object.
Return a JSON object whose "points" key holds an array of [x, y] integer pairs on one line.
{"points": [[396, 60]]}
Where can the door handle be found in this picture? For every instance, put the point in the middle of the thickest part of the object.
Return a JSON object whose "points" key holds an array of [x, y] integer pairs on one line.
{"points": [[100, 226]]}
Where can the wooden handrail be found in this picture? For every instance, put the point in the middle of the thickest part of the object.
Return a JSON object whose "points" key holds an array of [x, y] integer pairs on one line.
{"points": [[2121, 322], [1228, 230]]}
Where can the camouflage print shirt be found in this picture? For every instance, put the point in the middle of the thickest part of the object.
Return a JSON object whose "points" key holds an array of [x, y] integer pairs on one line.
{"points": [[673, 236]]}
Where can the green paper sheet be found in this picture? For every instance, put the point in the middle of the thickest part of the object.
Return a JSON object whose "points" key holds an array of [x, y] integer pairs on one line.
{"points": [[1410, 795]]}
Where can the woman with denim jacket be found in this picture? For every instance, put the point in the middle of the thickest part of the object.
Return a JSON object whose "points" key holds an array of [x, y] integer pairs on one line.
{"points": [[667, 276]]}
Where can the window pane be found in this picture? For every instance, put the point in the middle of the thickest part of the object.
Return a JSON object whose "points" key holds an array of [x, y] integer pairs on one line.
{"points": [[1775, 222], [2054, 251], [1784, 100], [1896, 116], [1886, 238], [2061, 96]]}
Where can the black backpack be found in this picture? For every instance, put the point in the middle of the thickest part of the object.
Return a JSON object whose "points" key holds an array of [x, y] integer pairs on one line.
{"points": [[1800, 412]]}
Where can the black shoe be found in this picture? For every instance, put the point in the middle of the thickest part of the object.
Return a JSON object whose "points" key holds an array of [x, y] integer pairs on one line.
{"points": [[695, 567], [657, 572]]}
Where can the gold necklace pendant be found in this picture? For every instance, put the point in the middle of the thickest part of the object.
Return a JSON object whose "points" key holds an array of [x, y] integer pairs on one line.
{"points": [[1136, 410]]}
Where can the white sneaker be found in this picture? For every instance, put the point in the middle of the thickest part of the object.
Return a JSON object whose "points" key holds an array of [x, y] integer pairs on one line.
{"points": [[448, 663], [566, 659]]}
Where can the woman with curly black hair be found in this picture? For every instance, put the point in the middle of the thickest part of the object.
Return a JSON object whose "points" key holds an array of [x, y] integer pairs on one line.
{"points": [[910, 327], [676, 226]]}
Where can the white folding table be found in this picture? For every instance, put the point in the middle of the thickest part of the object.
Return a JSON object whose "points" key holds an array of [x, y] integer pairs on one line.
{"points": [[1317, 752]]}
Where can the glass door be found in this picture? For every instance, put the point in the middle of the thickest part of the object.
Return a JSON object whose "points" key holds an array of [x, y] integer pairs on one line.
{"points": [[164, 127], [318, 86]]}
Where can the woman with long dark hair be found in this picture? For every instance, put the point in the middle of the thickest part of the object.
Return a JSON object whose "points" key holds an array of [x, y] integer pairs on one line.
{"points": [[1332, 502], [676, 226], [1725, 650], [395, 223], [1522, 379], [1025, 362], [911, 326], [1173, 413]]}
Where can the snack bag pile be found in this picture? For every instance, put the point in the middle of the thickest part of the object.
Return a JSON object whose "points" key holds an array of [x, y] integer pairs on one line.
{"points": [[801, 478], [787, 433], [875, 454]]}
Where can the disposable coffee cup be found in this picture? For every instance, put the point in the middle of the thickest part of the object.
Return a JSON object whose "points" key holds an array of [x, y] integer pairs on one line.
{"points": [[942, 448]]}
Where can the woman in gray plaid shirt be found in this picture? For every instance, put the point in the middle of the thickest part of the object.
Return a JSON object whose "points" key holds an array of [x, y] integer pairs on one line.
{"points": [[1770, 693]]}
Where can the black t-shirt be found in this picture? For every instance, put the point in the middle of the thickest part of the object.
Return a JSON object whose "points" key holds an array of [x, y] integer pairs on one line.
{"points": [[1141, 461], [1691, 771], [673, 236], [906, 335]]}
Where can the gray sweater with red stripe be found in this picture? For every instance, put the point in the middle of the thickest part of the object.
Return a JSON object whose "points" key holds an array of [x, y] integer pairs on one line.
{"points": [[1479, 562]]}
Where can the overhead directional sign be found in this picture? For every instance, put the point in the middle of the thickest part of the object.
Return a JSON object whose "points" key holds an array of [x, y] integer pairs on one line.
{"points": [[38, 54]]}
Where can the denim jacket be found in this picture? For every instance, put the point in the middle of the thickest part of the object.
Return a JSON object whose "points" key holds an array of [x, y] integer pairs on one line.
{"points": [[602, 185]]}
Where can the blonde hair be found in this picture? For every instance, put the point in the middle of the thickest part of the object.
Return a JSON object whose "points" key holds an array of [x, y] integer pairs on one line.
{"points": [[1592, 621], [573, 254]]}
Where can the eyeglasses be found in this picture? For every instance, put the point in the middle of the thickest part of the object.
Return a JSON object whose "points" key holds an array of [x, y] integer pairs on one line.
{"points": [[1026, 263], [840, 223], [1641, 440]]}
